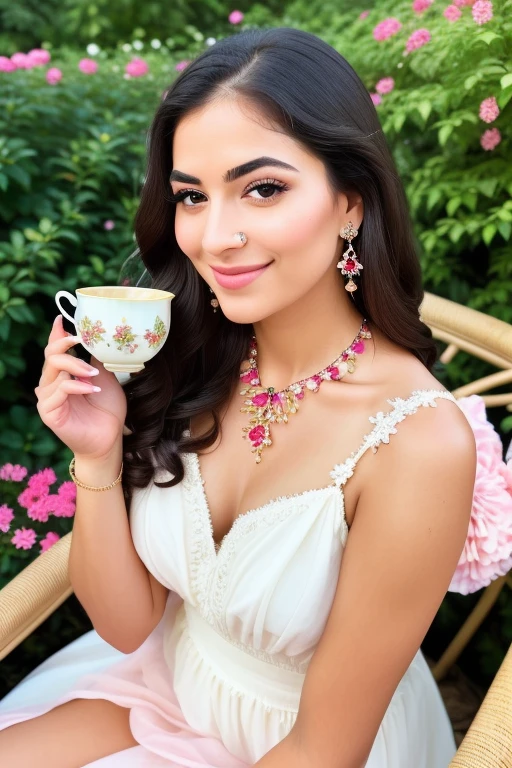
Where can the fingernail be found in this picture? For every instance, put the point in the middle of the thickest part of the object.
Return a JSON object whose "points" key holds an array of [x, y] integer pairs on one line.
{"points": [[91, 371], [96, 389]]}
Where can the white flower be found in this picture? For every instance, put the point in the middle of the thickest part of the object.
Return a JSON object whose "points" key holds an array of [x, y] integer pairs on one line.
{"points": [[138, 45], [341, 472], [93, 49], [156, 44], [210, 41], [126, 47]]}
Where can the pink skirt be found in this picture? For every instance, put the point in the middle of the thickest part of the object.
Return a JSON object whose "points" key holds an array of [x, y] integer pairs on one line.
{"points": [[141, 681]]}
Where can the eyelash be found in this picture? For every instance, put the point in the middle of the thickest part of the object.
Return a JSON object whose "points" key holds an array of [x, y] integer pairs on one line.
{"points": [[279, 185]]}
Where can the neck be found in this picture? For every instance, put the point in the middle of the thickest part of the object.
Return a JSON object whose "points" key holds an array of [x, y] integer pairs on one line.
{"points": [[307, 336]]}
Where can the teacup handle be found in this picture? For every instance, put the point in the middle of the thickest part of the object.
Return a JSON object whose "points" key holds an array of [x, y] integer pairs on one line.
{"points": [[72, 300]]}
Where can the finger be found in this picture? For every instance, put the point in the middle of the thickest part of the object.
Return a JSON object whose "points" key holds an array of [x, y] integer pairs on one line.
{"points": [[47, 406]]}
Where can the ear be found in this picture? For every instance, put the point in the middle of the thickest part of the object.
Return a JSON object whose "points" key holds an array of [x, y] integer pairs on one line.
{"points": [[350, 208]]}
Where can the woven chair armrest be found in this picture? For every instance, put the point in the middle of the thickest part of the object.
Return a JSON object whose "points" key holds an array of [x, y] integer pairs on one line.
{"points": [[27, 600], [488, 742]]}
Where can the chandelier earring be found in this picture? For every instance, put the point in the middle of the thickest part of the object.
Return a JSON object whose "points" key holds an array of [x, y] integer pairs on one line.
{"points": [[214, 301], [348, 264]]}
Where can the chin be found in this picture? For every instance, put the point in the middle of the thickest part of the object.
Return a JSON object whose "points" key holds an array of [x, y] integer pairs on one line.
{"points": [[245, 312]]}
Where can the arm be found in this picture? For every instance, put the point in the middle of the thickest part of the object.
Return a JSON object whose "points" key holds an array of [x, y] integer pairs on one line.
{"points": [[404, 544], [122, 599]]}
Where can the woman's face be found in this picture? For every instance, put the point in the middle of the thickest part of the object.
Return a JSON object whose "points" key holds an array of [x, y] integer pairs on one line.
{"points": [[287, 211]]}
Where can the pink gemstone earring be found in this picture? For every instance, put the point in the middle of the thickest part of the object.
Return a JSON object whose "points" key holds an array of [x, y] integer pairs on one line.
{"points": [[348, 264]]}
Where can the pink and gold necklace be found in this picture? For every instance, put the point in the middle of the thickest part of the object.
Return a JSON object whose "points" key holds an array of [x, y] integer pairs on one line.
{"points": [[267, 406]]}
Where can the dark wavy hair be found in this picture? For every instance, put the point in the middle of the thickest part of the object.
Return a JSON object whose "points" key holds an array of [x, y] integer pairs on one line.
{"points": [[306, 89]]}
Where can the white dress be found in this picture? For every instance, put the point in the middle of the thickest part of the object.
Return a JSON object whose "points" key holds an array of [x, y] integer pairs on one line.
{"points": [[218, 682]]}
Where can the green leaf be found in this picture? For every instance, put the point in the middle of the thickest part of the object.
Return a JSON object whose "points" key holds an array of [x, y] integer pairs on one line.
{"points": [[505, 228], [470, 81], [4, 182], [46, 225], [21, 314], [424, 108], [452, 205], [444, 134], [488, 233], [44, 445], [98, 265], [33, 235], [5, 327], [488, 37], [434, 196], [506, 80], [11, 439]]}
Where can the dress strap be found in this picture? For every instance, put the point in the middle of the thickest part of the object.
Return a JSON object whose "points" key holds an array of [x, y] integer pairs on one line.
{"points": [[385, 425]]}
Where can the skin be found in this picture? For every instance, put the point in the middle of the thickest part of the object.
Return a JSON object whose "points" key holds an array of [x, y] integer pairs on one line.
{"points": [[408, 504]]}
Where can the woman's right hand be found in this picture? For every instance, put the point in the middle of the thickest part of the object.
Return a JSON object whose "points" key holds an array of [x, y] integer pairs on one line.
{"points": [[90, 423]]}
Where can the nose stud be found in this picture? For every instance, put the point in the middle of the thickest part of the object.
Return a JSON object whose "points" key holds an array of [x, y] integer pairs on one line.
{"points": [[242, 237]]}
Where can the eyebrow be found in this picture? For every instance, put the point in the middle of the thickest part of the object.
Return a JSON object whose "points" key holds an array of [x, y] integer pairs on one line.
{"points": [[235, 173]]}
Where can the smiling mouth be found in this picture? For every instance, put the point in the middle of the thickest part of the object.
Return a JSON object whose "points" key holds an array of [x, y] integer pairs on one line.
{"points": [[238, 277]]}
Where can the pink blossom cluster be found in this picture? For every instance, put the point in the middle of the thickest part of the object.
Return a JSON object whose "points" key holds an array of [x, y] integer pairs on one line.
{"points": [[39, 503], [490, 139], [385, 85], [181, 65], [13, 472], [88, 66], [482, 11], [137, 67], [235, 17], [109, 225], [364, 15], [37, 57], [489, 110], [418, 39], [452, 13], [487, 551], [387, 28], [420, 6]]}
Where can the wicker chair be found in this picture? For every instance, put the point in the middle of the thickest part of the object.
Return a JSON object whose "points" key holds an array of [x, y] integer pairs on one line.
{"points": [[44, 584]]}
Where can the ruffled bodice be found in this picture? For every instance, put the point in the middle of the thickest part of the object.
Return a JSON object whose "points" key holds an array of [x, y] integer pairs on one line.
{"points": [[254, 609]]}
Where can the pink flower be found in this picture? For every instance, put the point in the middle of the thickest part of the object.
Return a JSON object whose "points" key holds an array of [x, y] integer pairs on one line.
{"points": [[18, 473], [387, 28], [88, 66], [39, 510], [385, 85], [5, 472], [137, 67], [364, 14], [482, 11], [22, 61], [109, 224], [48, 541], [181, 65], [6, 65], [333, 372], [246, 377], [235, 17], [452, 13], [487, 551], [420, 6], [67, 490], [490, 139], [6, 517], [256, 435], [376, 99], [418, 39], [489, 110], [43, 477], [53, 76], [60, 506], [39, 56], [24, 538]]}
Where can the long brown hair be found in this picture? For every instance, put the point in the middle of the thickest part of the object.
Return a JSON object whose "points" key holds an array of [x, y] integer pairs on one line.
{"points": [[310, 92]]}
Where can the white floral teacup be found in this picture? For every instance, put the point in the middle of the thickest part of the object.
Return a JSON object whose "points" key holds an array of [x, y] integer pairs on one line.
{"points": [[123, 327]]}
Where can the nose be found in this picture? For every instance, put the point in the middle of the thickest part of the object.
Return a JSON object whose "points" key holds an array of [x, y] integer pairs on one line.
{"points": [[220, 232]]}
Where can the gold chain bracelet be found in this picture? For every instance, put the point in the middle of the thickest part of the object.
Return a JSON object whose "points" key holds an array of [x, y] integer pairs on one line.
{"points": [[90, 487]]}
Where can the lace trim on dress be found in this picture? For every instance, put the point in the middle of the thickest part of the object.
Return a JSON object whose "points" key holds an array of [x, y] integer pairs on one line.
{"points": [[385, 426]]}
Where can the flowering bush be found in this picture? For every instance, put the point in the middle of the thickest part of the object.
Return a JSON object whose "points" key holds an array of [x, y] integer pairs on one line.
{"points": [[32, 518]]}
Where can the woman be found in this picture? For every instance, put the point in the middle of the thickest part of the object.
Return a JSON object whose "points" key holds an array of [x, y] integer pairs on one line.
{"points": [[271, 593]]}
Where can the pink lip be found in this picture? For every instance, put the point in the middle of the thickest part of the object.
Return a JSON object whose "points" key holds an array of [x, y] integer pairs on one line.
{"points": [[238, 279]]}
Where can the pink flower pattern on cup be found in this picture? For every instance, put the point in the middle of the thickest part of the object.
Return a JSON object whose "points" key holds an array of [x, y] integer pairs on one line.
{"points": [[157, 335], [125, 338], [90, 332]]}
